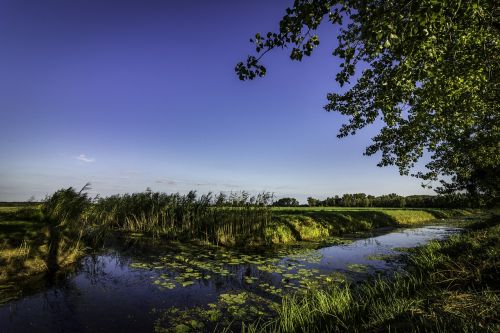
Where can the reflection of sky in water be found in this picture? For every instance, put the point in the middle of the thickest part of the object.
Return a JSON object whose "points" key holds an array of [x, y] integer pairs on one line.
{"points": [[105, 294], [339, 257]]}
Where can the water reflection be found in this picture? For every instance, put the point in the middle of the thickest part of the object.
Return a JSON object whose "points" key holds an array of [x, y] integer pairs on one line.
{"points": [[134, 286]]}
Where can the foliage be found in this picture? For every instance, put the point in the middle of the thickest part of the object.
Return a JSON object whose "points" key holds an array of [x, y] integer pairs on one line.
{"points": [[428, 69], [286, 202], [456, 200]]}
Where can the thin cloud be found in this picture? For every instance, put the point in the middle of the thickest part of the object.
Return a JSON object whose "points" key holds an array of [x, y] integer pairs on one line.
{"points": [[166, 181], [85, 158]]}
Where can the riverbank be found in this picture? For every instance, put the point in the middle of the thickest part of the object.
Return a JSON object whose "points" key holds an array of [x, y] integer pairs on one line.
{"points": [[29, 247], [316, 223], [449, 286], [26, 234]]}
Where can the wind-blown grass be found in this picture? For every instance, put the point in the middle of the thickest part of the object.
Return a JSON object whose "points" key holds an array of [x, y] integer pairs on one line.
{"points": [[184, 217], [42, 238]]}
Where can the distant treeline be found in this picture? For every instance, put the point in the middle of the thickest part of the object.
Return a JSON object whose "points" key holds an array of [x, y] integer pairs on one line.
{"points": [[244, 199], [388, 200], [18, 203]]}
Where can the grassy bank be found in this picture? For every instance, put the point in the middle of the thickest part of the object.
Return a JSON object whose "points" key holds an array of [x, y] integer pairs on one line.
{"points": [[28, 252], [27, 248], [449, 286], [312, 223], [32, 243]]}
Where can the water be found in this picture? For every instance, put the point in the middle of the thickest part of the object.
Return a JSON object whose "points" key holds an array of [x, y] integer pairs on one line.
{"points": [[138, 287]]}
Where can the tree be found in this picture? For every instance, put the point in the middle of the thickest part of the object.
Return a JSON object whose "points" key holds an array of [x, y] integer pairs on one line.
{"points": [[428, 69], [312, 202], [286, 202]]}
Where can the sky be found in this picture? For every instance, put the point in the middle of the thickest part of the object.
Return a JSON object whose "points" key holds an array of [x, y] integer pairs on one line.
{"points": [[133, 94]]}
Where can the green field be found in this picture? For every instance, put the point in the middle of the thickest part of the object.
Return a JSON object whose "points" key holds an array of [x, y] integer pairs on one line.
{"points": [[436, 212], [326, 208]]}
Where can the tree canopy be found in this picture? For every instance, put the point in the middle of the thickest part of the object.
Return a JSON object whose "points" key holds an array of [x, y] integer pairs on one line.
{"points": [[428, 69], [286, 202]]}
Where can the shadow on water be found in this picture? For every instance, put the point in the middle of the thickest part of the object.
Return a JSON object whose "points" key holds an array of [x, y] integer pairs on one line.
{"points": [[54, 242], [141, 285]]}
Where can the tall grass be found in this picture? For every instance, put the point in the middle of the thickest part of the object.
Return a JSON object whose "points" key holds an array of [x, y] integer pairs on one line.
{"points": [[69, 220], [66, 206], [216, 219]]}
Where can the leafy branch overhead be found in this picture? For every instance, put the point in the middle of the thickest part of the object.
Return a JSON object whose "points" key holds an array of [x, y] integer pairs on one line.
{"points": [[428, 69]]}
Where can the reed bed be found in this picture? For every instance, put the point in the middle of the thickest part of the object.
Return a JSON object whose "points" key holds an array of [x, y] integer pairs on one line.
{"points": [[217, 219], [43, 238]]}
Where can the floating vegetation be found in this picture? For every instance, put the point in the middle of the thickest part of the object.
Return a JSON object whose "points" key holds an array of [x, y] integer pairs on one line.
{"points": [[336, 277], [164, 281], [285, 270], [230, 309], [358, 268], [250, 279], [140, 265], [306, 255], [263, 279], [382, 257], [269, 268], [241, 286], [180, 321]]}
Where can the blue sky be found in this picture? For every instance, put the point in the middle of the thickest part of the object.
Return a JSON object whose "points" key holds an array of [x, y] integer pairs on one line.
{"points": [[134, 94]]}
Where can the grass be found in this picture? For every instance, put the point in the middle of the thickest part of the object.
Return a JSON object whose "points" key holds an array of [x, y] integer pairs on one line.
{"points": [[338, 208], [449, 286], [26, 243], [180, 217], [313, 223], [25, 248]]}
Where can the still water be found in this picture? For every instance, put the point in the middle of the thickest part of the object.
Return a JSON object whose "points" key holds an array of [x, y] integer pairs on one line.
{"points": [[140, 286]]}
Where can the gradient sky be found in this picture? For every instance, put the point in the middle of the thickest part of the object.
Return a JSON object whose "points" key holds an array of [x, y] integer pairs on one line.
{"points": [[134, 94]]}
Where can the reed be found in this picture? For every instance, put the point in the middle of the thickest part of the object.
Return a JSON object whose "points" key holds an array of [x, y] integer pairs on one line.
{"points": [[237, 218], [216, 219]]}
